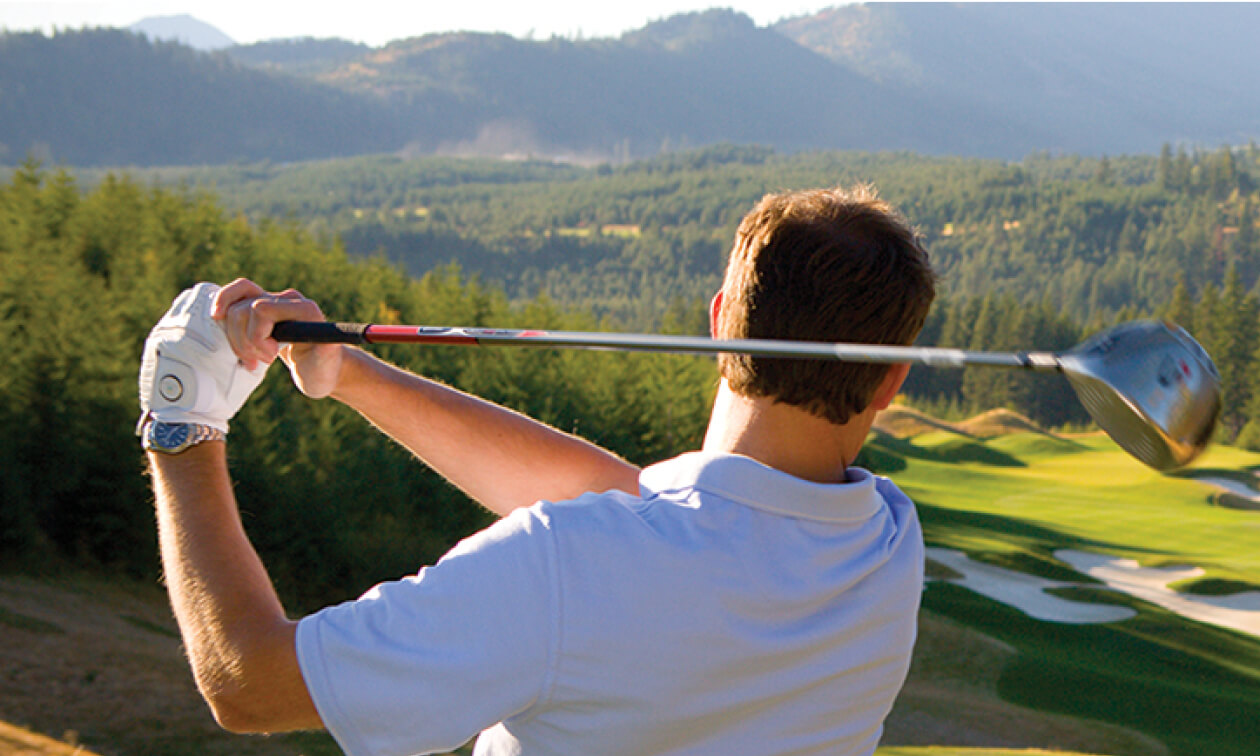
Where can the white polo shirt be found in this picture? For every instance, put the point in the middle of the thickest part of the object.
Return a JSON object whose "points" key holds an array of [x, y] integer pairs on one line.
{"points": [[729, 609]]}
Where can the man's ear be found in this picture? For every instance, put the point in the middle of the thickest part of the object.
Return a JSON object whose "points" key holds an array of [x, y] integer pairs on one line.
{"points": [[891, 384], [715, 313]]}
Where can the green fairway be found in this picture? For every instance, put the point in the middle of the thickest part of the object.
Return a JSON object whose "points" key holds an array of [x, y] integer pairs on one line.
{"points": [[946, 751], [1014, 501], [1087, 494]]}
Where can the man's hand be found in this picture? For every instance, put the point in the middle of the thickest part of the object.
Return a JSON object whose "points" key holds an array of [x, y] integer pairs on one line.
{"points": [[248, 313], [188, 373]]}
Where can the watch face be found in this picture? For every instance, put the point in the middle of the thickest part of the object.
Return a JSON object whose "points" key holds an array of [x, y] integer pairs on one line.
{"points": [[169, 435]]}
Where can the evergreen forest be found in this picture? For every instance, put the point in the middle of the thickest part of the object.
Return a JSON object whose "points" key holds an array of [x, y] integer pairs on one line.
{"points": [[1035, 254]]}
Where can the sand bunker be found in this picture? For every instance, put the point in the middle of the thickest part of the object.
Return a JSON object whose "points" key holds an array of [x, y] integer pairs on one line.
{"points": [[999, 422], [1238, 489], [1027, 593], [900, 421], [1238, 611]]}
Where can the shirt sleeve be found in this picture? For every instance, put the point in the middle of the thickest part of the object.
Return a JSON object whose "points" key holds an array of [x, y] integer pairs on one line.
{"points": [[425, 663]]}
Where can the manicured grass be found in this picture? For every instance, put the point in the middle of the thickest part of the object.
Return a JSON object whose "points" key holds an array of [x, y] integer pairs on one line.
{"points": [[947, 751], [1193, 686], [1024, 445], [1092, 497]]}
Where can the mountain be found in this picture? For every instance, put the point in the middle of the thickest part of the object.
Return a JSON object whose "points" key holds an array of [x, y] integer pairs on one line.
{"points": [[110, 97], [1076, 77], [694, 79], [985, 79], [183, 29]]}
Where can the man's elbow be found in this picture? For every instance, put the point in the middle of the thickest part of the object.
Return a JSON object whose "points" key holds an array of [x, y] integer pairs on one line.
{"points": [[237, 715], [257, 712], [263, 692]]}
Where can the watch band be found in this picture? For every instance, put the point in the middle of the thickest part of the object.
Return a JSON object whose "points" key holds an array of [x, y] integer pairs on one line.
{"points": [[205, 433], [173, 438]]}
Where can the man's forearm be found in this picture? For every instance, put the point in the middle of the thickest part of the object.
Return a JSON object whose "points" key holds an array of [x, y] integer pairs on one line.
{"points": [[497, 456], [238, 640]]}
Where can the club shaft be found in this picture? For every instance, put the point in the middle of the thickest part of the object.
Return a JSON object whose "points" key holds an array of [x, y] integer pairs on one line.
{"points": [[361, 333]]}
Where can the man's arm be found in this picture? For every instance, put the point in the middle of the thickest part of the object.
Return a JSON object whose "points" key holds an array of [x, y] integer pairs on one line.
{"points": [[239, 642], [499, 457]]}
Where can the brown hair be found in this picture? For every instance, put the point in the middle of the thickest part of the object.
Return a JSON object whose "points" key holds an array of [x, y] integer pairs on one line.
{"points": [[822, 265]]}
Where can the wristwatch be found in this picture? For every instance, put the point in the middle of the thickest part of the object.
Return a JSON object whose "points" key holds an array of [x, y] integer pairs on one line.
{"points": [[173, 438]]}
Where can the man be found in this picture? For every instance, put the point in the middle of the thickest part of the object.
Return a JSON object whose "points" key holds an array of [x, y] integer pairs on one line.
{"points": [[758, 596]]}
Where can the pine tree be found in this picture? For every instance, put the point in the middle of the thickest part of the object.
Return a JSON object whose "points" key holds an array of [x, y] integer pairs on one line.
{"points": [[1205, 320], [1163, 170], [1225, 173], [1182, 170], [1245, 248], [1179, 309], [1104, 175], [1249, 436], [985, 388], [1233, 343]]}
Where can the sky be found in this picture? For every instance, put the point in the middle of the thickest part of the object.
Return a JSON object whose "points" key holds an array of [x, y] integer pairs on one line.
{"points": [[379, 21]]}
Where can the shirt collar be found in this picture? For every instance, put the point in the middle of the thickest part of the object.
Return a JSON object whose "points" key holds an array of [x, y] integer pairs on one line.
{"points": [[746, 481]]}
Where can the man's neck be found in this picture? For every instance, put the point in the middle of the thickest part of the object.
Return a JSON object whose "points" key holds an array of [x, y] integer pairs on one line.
{"points": [[785, 437]]}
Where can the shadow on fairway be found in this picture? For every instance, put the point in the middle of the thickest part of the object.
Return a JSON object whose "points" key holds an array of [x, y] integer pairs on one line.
{"points": [[962, 449], [1247, 476], [1033, 544], [1222, 498], [1193, 686]]}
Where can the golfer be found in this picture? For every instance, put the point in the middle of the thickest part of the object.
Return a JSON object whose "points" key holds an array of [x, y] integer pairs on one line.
{"points": [[757, 596]]}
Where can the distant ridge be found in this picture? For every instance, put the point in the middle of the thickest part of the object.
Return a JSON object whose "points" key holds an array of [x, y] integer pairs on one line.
{"points": [[1075, 77], [110, 97], [302, 55], [998, 80], [184, 29]]}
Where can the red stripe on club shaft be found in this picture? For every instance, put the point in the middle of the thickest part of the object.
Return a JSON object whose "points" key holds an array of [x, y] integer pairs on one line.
{"points": [[396, 334]]}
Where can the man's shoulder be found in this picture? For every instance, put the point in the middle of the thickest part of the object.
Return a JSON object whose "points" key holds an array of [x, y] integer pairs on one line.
{"points": [[545, 518], [594, 510]]}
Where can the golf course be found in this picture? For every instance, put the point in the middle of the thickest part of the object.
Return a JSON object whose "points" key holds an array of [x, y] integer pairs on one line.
{"points": [[1078, 668], [1025, 502]]}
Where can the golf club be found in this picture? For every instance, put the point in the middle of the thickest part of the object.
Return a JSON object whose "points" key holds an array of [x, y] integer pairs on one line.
{"points": [[1147, 384]]}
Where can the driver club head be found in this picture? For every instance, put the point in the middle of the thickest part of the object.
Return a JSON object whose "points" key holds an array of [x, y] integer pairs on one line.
{"points": [[1151, 387]]}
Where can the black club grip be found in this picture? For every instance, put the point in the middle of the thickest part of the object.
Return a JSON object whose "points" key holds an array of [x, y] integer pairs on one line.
{"points": [[295, 332]]}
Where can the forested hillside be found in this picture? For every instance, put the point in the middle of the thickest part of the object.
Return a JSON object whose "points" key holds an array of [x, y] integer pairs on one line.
{"points": [[1035, 255], [1095, 239], [332, 505], [110, 97]]}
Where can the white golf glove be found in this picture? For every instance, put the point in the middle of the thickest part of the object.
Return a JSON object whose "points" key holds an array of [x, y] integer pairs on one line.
{"points": [[189, 373]]}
